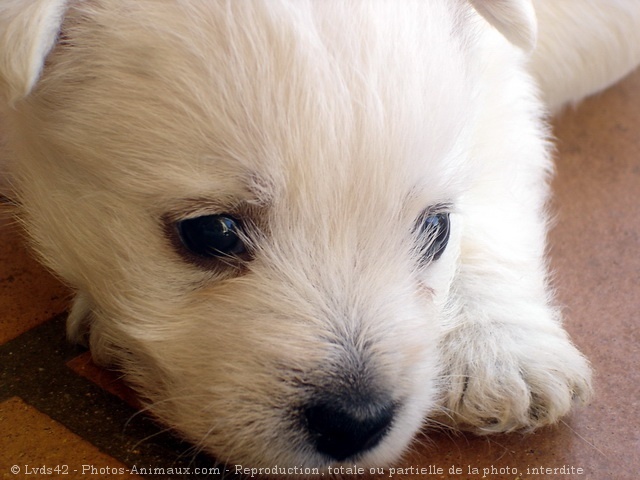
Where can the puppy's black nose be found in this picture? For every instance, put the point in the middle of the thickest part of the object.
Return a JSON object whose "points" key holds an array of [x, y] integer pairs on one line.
{"points": [[342, 429]]}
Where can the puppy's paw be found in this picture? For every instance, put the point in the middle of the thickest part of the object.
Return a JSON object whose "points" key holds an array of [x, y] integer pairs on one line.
{"points": [[510, 378]]}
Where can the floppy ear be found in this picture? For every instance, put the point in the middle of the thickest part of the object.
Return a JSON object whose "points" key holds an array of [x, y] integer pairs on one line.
{"points": [[515, 19], [28, 31]]}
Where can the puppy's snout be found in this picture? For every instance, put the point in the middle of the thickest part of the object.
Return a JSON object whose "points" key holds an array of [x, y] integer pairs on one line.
{"points": [[342, 428]]}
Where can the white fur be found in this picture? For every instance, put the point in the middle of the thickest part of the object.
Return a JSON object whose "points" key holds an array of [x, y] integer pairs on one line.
{"points": [[604, 41], [515, 20], [331, 127], [28, 30]]}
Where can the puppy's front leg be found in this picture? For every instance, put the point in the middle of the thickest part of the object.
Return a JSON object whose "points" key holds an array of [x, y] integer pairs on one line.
{"points": [[508, 363]]}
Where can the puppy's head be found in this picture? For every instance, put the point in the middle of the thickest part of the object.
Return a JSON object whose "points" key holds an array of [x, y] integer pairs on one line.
{"points": [[256, 203]]}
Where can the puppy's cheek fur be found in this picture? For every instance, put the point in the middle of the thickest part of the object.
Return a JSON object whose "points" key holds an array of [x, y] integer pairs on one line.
{"points": [[275, 360]]}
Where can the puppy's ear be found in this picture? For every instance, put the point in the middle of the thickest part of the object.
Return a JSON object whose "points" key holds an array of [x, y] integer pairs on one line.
{"points": [[28, 31], [515, 19]]}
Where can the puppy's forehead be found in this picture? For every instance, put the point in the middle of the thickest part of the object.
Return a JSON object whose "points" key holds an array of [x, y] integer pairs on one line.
{"points": [[269, 99]]}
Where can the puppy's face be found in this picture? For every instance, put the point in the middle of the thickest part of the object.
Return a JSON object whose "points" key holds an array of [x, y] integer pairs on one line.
{"points": [[258, 207]]}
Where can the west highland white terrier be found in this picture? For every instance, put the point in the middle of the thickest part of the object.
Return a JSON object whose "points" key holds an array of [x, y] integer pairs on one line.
{"points": [[302, 228]]}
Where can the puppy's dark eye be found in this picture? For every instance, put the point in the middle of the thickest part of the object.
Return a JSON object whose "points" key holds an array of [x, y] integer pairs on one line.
{"points": [[211, 236], [434, 232]]}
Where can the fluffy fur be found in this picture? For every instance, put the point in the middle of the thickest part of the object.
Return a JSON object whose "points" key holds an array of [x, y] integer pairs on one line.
{"points": [[329, 128]]}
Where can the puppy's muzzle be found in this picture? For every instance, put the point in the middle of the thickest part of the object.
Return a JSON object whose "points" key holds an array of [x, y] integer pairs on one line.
{"points": [[342, 426]]}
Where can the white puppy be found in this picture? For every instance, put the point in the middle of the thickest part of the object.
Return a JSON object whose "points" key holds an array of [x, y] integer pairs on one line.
{"points": [[302, 228]]}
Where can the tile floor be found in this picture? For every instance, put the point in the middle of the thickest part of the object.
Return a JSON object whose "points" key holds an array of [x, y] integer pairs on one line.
{"points": [[56, 408]]}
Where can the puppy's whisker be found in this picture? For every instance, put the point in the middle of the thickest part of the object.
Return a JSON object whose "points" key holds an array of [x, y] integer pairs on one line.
{"points": [[581, 437], [153, 435]]}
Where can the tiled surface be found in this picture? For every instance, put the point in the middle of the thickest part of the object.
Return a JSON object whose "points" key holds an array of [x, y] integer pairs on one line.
{"points": [[28, 294], [21, 424], [56, 409]]}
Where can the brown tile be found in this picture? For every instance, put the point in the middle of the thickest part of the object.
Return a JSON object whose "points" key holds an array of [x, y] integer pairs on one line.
{"points": [[30, 439], [29, 294], [546, 454]]}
